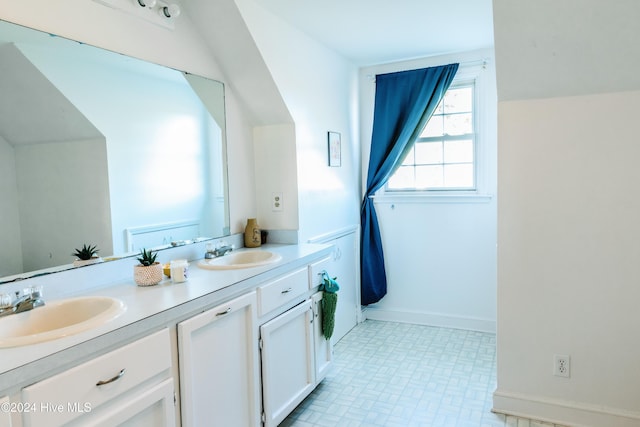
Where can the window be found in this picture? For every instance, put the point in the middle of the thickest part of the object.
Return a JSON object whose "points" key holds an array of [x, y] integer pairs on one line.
{"points": [[443, 157]]}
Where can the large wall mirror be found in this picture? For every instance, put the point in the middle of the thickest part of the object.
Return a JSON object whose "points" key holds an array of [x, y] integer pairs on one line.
{"points": [[99, 148]]}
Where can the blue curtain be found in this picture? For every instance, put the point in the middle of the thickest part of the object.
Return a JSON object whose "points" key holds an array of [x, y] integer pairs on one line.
{"points": [[404, 103]]}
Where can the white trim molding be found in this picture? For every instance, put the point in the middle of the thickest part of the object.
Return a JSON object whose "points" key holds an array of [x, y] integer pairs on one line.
{"points": [[431, 319], [423, 197], [558, 411], [335, 234]]}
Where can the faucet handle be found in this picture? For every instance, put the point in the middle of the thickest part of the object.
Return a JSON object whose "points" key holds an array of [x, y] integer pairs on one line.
{"points": [[26, 292], [35, 292], [5, 301], [30, 292]]}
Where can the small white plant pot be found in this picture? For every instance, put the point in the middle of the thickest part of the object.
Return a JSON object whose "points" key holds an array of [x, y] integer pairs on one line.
{"points": [[81, 262], [147, 275]]}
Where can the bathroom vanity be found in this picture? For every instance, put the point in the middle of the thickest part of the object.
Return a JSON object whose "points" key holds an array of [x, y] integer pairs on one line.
{"points": [[227, 347]]}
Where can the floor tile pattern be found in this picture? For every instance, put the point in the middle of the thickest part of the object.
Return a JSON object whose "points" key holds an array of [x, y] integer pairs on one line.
{"points": [[403, 375]]}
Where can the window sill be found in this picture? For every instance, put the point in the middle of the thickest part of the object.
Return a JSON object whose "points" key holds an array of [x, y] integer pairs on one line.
{"points": [[432, 198]]}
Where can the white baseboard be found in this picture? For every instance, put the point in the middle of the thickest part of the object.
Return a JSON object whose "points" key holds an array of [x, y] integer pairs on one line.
{"points": [[566, 413], [431, 319]]}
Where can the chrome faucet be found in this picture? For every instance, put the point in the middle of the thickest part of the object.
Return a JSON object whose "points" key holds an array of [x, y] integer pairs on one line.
{"points": [[30, 299], [222, 250], [218, 251]]}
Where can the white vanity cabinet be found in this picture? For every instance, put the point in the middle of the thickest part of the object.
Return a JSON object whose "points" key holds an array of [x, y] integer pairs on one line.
{"points": [[288, 365], [219, 368], [248, 361], [295, 356], [130, 386]]}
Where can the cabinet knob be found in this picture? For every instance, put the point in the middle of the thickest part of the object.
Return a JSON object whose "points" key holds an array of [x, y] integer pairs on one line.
{"points": [[110, 380]]}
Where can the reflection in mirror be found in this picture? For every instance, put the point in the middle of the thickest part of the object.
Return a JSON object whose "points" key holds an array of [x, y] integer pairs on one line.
{"points": [[103, 149]]}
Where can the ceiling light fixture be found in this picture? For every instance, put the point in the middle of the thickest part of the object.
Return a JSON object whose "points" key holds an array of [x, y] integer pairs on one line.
{"points": [[170, 11], [160, 12], [147, 3]]}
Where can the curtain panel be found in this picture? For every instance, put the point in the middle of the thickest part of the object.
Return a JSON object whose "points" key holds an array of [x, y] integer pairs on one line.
{"points": [[404, 102]]}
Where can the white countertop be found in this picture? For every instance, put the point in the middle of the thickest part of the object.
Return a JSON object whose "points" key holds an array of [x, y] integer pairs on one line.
{"points": [[154, 306]]}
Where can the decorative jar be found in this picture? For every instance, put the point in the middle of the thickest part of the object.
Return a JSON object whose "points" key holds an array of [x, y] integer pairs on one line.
{"points": [[252, 238]]}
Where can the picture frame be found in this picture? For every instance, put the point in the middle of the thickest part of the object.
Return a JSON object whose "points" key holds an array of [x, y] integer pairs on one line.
{"points": [[334, 149]]}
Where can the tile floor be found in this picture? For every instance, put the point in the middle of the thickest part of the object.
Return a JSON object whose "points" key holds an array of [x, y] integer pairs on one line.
{"points": [[396, 374]]}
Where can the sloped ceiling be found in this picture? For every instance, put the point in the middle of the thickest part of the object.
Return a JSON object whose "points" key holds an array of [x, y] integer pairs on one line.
{"points": [[365, 32], [227, 35], [24, 118], [371, 32], [550, 48]]}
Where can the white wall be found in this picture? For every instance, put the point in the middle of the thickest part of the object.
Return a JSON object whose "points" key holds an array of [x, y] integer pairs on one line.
{"points": [[276, 171], [568, 254], [568, 217], [320, 203], [440, 252], [318, 87]]}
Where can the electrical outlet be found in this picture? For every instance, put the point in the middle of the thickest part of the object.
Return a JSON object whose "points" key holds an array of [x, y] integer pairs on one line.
{"points": [[562, 365], [276, 202]]}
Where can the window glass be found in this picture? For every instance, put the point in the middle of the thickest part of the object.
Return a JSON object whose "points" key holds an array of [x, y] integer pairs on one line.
{"points": [[428, 152], [443, 156], [459, 151]]}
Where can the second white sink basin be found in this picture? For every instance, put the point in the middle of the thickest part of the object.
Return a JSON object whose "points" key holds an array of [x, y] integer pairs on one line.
{"points": [[241, 259], [58, 319]]}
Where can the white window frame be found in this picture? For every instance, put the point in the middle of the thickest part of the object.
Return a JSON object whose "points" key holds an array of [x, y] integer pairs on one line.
{"points": [[457, 83], [467, 73]]}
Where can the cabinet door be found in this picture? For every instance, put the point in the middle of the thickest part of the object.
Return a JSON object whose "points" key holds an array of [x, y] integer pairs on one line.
{"points": [[288, 364], [322, 346], [345, 267], [219, 366]]}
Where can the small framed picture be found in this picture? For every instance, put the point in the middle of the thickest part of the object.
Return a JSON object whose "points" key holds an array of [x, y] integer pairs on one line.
{"points": [[335, 155]]}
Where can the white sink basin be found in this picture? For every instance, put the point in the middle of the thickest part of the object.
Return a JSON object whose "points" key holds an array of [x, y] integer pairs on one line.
{"points": [[241, 259], [58, 319]]}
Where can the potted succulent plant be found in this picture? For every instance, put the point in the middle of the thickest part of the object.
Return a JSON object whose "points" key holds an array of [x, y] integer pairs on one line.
{"points": [[149, 271], [85, 256]]}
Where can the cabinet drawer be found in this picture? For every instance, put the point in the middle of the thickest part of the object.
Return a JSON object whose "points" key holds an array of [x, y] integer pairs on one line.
{"points": [[315, 271], [93, 383], [281, 291]]}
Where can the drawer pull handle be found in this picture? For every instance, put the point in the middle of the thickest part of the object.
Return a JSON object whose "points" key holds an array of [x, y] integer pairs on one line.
{"points": [[110, 380], [222, 313], [286, 291]]}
